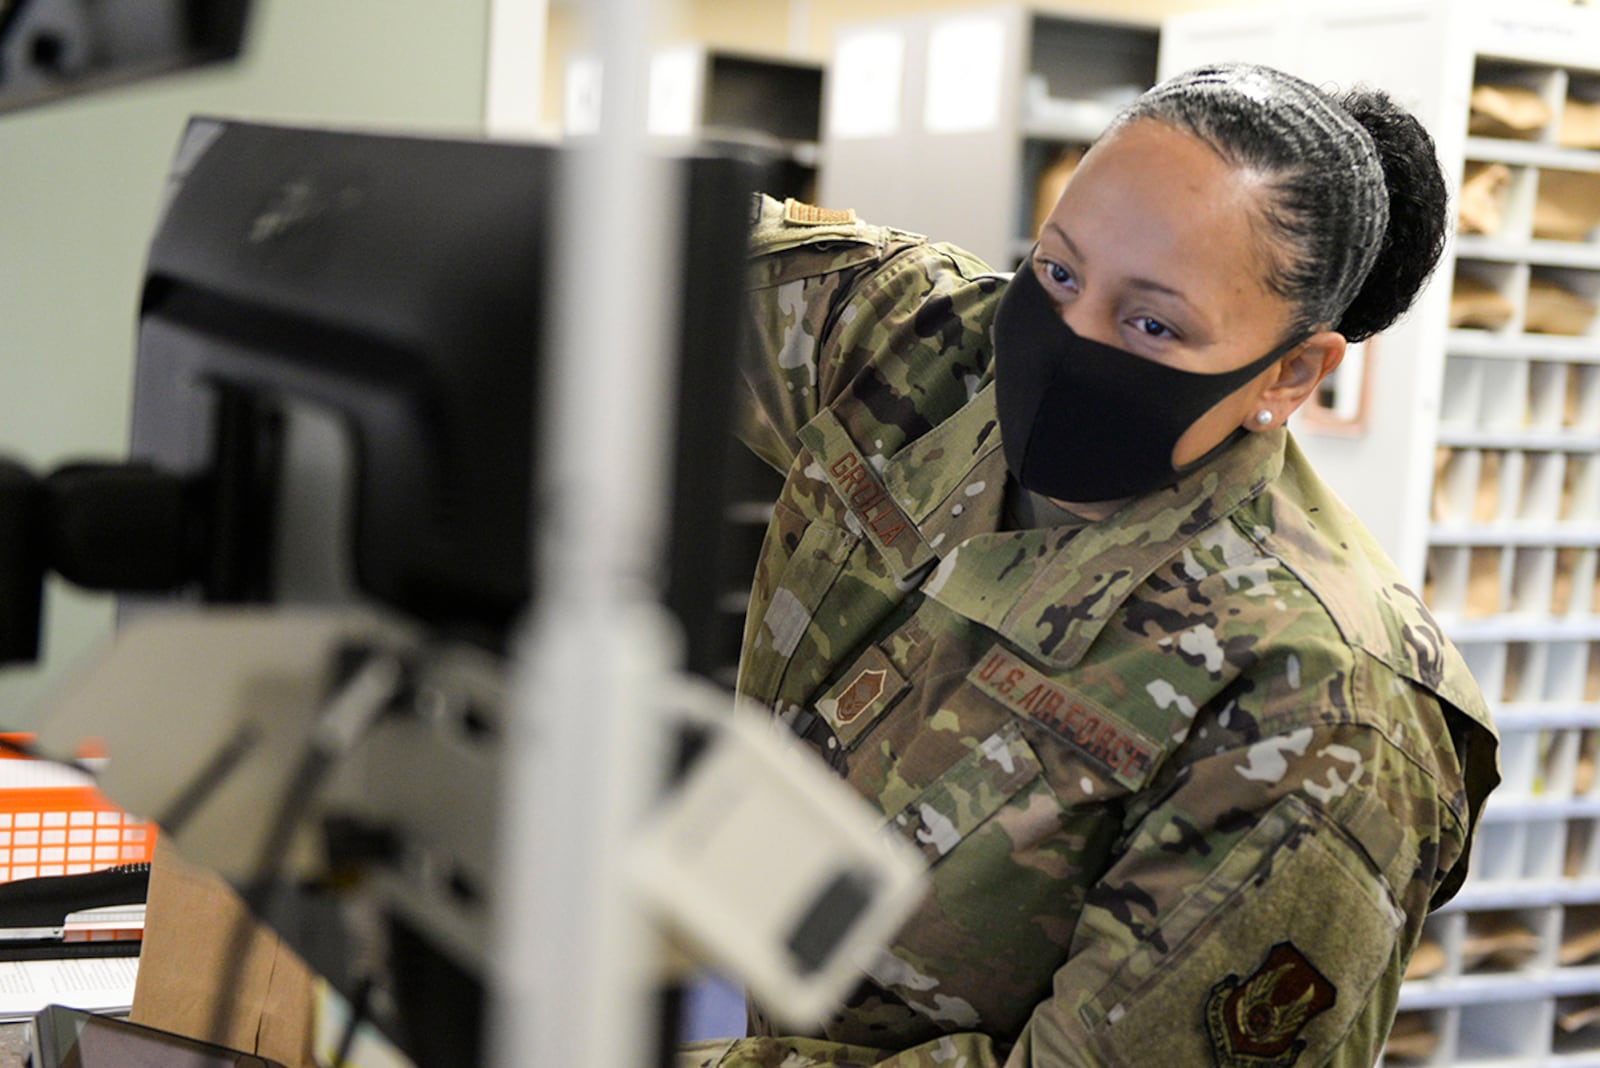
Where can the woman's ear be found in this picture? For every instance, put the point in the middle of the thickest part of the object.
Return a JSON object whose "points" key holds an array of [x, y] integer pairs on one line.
{"points": [[1299, 373]]}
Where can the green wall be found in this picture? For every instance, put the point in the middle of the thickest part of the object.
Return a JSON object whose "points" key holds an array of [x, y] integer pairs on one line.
{"points": [[79, 186]]}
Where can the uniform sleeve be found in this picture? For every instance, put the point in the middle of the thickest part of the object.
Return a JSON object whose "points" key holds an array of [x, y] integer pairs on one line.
{"points": [[1260, 912], [832, 304]]}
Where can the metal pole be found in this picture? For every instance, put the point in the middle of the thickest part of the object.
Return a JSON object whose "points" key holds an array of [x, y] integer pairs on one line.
{"points": [[576, 972]]}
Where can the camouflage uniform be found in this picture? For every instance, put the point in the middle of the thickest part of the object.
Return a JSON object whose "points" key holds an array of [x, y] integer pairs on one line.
{"points": [[1189, 778]]}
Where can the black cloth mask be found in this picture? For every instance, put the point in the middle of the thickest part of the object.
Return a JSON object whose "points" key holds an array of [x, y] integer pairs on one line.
{"points": [[1084, 421]]}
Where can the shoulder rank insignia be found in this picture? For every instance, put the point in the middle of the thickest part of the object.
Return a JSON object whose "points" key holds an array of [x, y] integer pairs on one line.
{"points": [[1257, 1022], [802, 214]]}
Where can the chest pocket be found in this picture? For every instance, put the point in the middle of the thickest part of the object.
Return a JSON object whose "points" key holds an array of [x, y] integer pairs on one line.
{"points": [[969, 793]]}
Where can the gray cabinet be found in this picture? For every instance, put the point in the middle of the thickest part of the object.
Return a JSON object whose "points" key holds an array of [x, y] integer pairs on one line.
{"points": [[947, 123]]}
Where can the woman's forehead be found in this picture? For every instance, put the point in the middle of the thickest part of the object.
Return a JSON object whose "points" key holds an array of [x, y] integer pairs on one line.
{"points": [[1153, 192]]}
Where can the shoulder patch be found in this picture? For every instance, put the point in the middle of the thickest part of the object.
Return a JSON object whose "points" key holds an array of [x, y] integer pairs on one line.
{"points": [[1257, 1022], [799, 213]]}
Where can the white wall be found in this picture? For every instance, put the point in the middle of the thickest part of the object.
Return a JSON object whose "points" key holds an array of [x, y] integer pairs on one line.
{"points": [[79, 185]]}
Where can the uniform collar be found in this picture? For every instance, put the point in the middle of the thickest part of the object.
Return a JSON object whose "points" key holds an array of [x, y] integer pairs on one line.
{"points": [[1050, 591]]}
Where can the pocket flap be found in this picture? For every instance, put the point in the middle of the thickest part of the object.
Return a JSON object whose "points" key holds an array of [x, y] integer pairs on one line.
{"points": [[975, 788]]}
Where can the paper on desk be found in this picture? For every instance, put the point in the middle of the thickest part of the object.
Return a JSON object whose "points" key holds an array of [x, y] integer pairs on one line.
{"points": [[100, 984], [18, 774]]}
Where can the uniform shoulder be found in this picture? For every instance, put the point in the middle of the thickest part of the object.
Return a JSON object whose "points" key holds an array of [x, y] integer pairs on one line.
{"points": [[790, 238], [1305, 525]]}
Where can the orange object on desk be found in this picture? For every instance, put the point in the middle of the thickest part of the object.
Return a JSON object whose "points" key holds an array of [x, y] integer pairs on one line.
{"points": [[54, 822]]}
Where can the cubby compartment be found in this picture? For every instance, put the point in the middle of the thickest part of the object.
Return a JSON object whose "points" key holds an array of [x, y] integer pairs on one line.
{"points": [[1533, 572], [1581, 860], [1566, 667], [1544, 852], [1579, 125], [1586, 765], [1515, 101], [1556, 764], [1580, 488], [1512, 851], [1501, 941], [1547, 395], [1438, 952], [1457, 478], [1519, 763], [1577, 1026], [1566, 205], [1497, 852], [1525, 665], [1504, 1030], [1488, 295], [1561, 302], [1579, 941], [1582, 414], [1496, 200], [1421, 1038], [1486, 581], [1461, 394], [1504, 397], [1537, 481], [1486, 660], [1572, 586], [1444, 581]]}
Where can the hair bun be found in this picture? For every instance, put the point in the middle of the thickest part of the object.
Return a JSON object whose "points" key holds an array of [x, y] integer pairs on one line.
{"points": [[1418, 213]]}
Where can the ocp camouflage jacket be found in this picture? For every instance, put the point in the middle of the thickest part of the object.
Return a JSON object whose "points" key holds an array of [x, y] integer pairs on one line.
{"points": [[1189, 778]]}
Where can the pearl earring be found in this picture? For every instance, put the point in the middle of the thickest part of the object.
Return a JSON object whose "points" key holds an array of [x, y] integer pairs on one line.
{"points": [[1263, 418]]}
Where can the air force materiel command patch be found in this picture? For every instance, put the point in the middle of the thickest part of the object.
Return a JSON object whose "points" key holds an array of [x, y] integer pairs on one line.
{"points": [[1256, 1023]]}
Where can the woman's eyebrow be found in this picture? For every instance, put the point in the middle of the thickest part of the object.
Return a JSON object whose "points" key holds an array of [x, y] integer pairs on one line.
{"points": [[1062, 234], [1149, 285]]}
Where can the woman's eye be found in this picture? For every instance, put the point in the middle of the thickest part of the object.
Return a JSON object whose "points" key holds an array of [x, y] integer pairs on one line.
{"points": [[1152, 327], [1057, 274]]}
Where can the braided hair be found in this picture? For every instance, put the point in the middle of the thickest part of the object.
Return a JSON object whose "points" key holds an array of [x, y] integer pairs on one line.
{"points": [[1356, 208]]}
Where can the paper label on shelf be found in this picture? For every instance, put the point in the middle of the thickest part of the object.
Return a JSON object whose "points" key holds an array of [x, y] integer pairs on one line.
{"points": [[966, 60], [673, 97], [867, 70]]}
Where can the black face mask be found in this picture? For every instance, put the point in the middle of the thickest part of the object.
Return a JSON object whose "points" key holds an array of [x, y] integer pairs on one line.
{"points": [[1083, 421]]}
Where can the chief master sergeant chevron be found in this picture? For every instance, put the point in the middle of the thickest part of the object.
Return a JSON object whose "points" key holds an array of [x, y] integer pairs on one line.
{"points": [[1051, 585]]}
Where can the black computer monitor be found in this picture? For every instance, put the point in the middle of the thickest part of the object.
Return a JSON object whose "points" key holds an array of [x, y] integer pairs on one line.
{"points": [[383, 296], [340, 340]]}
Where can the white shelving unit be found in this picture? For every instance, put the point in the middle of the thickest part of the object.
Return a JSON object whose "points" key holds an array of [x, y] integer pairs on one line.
{"points": [[1479, 469]]}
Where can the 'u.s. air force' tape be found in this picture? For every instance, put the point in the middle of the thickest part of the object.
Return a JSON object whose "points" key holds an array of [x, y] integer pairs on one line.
{"points": [[1107, 740]]}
